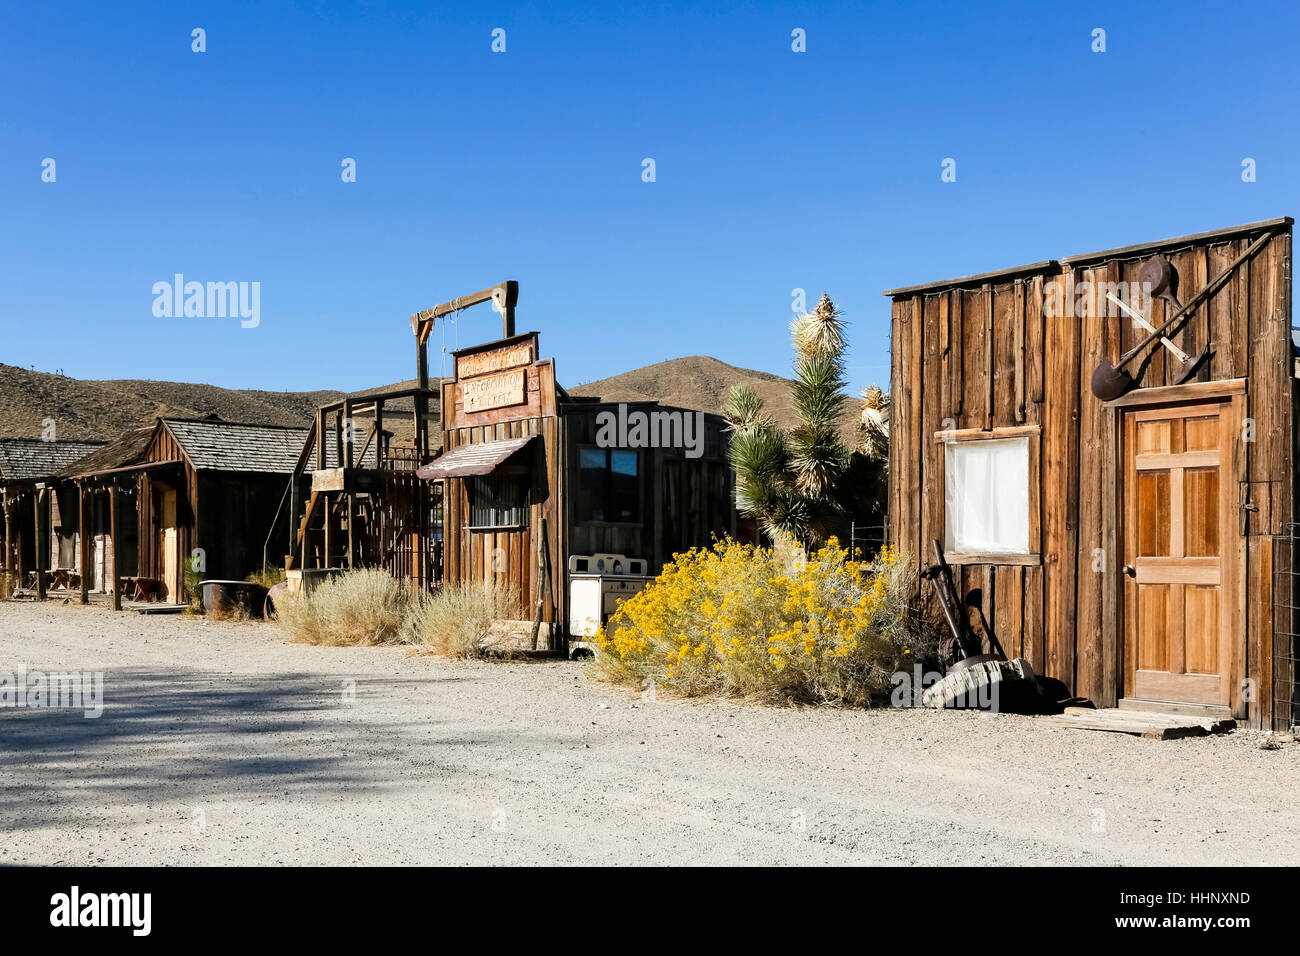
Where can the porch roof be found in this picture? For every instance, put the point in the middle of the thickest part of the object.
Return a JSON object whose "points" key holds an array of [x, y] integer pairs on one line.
{"points": [[481, 458]]}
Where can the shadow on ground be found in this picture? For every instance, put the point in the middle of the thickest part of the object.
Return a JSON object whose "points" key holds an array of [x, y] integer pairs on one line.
{"points": [[182, 735]]}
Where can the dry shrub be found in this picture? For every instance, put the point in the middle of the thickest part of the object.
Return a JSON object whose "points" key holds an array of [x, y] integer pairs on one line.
{"points": [[360, 608], [464, 621], [737, 620]]}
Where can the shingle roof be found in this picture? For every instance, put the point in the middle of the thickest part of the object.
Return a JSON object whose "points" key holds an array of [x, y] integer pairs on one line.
{"points": [[23, 459], [229, 446], [127, 450]]}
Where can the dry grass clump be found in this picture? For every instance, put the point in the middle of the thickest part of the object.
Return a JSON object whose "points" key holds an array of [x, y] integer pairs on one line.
{"points": [[360, 608], [464, 621]]}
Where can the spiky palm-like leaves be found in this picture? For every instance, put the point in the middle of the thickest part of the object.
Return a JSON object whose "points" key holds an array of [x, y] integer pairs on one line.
{"points": [[787, 482], [873, 425]]}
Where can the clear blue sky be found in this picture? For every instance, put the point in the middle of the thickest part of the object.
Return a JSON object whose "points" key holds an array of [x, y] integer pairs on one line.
{"points": [[775, 169]]}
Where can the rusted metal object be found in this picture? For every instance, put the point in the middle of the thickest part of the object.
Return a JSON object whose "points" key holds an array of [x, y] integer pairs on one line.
{"points": [[1110, 381], [964, 645]]}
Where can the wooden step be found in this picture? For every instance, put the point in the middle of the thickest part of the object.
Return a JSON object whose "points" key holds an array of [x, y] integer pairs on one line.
{"points": [[1153, 725]]}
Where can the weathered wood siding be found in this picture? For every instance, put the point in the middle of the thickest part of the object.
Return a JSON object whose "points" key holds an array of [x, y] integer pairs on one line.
{"points": [[510, 557], [983, 353], [685, 502]]}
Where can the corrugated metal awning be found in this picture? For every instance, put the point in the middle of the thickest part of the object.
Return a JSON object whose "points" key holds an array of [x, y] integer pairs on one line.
{"points": [[482, 458]]}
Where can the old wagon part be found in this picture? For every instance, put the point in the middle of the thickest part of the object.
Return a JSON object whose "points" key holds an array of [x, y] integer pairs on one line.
{"points": [[964, 643], [1110, 381], [996, 685]]}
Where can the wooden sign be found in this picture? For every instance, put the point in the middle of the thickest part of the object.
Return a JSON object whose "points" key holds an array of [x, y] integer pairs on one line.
{"points": [[482, 363], [493, 391]]}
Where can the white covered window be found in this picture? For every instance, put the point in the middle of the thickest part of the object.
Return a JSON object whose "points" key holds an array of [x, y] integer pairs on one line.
{"points": [[986, 496]]}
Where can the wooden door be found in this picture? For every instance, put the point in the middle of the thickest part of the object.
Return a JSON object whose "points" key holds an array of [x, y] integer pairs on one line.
{"points": [[1178, 523], [168, 544]]}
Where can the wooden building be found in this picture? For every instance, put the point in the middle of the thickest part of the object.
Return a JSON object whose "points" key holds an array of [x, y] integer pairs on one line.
{"points": [[354, 499], [40, 515], [533, 477], [201, 488], [1125, 547]]}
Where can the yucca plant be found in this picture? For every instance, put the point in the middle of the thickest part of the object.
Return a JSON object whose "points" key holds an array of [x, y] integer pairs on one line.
{"points": [[788, 481]]}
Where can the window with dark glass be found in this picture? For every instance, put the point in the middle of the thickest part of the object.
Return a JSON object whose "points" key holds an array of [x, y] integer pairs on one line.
{"points": [[609, 486], [498, 501]]}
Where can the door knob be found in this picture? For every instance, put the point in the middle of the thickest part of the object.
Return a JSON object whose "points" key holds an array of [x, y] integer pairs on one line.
{"points": [[1130, 570]]}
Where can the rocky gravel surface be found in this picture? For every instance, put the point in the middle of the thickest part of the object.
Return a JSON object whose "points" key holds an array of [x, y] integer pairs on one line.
{"points": [[220, 743]]}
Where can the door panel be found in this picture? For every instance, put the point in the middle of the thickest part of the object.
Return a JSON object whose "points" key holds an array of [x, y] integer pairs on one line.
{"points": [[1176, 633]]}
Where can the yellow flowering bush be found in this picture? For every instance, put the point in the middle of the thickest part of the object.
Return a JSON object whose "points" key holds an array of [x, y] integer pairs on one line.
{"points": [[736, 619]]}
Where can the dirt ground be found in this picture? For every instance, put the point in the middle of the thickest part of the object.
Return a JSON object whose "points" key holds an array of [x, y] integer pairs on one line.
{"points": [[223, 744]]}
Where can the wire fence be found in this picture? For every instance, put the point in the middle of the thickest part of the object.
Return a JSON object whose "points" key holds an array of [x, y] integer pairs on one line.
{"points": [[1286, 627], [865, 540]]}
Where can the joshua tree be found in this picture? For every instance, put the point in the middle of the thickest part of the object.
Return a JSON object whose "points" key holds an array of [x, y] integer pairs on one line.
{"points": [[789, 481]]}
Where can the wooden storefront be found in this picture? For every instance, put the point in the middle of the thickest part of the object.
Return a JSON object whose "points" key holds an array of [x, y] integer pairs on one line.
{"points": [[1150, 519], [558, 487]]}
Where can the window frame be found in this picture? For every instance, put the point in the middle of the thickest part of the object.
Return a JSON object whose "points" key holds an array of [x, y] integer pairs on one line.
{"points": [[954, 436], [520, 476], [640, 486]]}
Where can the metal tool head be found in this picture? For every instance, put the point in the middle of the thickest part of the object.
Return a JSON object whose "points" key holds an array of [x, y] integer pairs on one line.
{"points": [[1159, 277], [1109, 382]]}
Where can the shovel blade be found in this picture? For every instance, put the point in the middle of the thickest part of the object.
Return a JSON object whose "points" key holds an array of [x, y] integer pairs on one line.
{"points": [[1109, 382]]}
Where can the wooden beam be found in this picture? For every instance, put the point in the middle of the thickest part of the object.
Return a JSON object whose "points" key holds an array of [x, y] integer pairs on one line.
{"points": [[1190, 392]]}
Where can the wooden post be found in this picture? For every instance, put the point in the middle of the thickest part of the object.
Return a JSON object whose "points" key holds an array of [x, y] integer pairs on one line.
{"points": [[421, 401], [347, 432], [320, 438], [352, 538], [329, 529], [42, 544], [113, 582], [379, 434], [87, 553], [9, 537]]}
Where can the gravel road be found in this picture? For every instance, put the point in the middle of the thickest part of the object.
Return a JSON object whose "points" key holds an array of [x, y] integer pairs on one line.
{"points": [[223, 744]]}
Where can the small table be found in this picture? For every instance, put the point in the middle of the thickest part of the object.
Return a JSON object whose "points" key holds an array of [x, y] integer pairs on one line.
{"points": [[66, 578], [139, 588]]}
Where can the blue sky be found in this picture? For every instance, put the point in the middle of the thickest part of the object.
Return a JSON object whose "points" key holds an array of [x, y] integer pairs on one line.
{"points": [[775, 170]]}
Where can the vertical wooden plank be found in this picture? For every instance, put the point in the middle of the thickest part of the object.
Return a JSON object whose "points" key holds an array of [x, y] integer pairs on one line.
{"points": [[1018, 348], [916, 437], [974, 395], [988, 356], [1110, 579], [1059, 478], [957, 337], [1008, 595], [929, 452], [1034, 357], [946, 354], [1220, 311]]}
